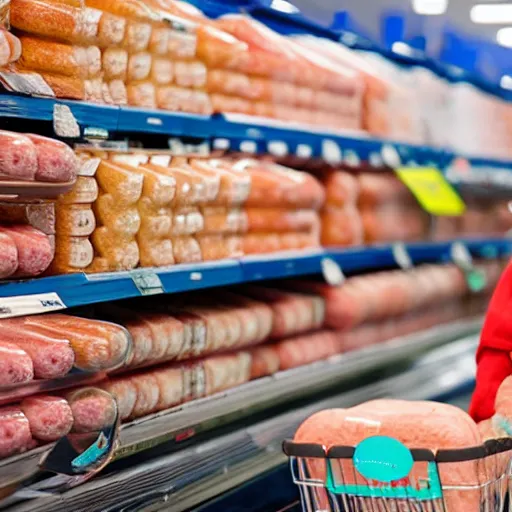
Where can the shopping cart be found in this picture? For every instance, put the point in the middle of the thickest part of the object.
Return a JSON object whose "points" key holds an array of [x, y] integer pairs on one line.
{"points": [[383, 475]]}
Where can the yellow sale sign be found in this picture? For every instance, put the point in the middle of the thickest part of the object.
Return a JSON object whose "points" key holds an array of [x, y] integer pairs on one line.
{"points": [[432, 191]]}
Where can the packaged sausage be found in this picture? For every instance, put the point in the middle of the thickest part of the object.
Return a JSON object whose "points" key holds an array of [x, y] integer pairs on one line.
{"points": [[159, 42], [341, 188], [186, 221], [62, 59], [122, 183], [75, 220], [210, 178], [10, 47], [16, 365], [190, 74], [38, 215], [278, 186], [52, 357], [281, 220], [225, 372], [85, 191], [118, 93], [155, 251], [143, 94], [97, 345], [220, 220], [137, 36], [186, 249], [122, 221], [162, 71], [122, 253], [72, 254], [342, 227], [114, 64], [235, 182], [139, 66], [218, 247], [15, 435], [260, 243], [9, 256], [155, 222], [35, 251], [56, 161], [18, 158]]}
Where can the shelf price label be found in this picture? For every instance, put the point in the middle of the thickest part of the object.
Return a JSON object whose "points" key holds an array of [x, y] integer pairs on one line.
{"points": [[432, 191], [147, 282], [30, 304]]}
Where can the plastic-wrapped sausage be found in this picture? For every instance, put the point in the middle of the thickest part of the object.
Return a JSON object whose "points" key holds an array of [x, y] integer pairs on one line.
{"points": [[35, 251], [62, 59], [125, 393], [51, 356], [50, 417], [15, 434], [279, 220], [9, 256], [40, 216], [264, 361], [85, 191], [92, 410], [15, 365], [56, 160], [97, 345], [57, 21], [18, 156], [114, 63], [72, 254], [75, 220]]}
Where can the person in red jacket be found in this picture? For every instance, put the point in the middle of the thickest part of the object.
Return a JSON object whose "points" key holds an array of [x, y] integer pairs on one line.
{"points": [[494, 362]]}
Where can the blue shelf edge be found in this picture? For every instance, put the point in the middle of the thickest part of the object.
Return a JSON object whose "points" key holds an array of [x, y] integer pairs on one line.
{"points": [[80, 289]]}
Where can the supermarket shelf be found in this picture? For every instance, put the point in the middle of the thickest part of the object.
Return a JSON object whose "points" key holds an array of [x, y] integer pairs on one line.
{"points": [[192, 419], [194, 475], [235, 132], [59, 292]]}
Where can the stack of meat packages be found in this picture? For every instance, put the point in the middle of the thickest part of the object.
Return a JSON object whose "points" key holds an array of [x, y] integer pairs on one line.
{"points": [[151, 210], [369, 208], [166, 54], [155, 353], [282, 209], [33, 167]]}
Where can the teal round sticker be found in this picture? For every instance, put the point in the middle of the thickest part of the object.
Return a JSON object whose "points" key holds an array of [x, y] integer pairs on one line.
{"points": [[476, 280], [383, 459]]}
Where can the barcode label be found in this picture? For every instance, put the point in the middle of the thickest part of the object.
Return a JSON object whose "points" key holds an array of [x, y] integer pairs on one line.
{"points": [[30, 305]]}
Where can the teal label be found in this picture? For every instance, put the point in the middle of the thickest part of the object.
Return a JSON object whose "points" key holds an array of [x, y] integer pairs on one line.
{"points": [[383, 459], [476, 280], [93, 454]]}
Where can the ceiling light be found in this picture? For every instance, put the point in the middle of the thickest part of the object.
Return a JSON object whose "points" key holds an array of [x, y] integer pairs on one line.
{"points": [[430, 7], [491, 13], [504, 36]]}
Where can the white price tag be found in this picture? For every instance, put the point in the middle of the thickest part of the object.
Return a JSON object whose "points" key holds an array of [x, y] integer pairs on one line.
{"points": [[331, 152], [461, 256], [30, 304], [248, 146], [402, 257], [332, 272], [277, 148], [390, 156], [222, 144], [64, 122], [304, 151], [147, 282]]}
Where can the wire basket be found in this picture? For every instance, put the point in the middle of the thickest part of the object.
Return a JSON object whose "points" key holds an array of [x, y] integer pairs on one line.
{"points": [[383, 475]]}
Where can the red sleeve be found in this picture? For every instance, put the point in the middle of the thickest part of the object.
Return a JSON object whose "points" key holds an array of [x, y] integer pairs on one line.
{"points": [[493, 356]]}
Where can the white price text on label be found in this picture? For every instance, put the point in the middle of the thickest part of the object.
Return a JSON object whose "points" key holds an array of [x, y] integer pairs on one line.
{"points": [[30, 304]]}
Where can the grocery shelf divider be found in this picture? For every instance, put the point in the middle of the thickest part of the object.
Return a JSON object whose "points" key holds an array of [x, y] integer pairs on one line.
{"points": [[183, 479], [82, 289]]}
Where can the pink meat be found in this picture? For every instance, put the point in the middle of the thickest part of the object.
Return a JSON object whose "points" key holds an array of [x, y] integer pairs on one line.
{"points": [[35, 252], [18, 156], [15, 434], [9, 256], [170, 386], [52, 358], [92, 411], [125, 393], [15, 365], [56, 161], [148, 394], [265, 361], [50, 417], [416, 424]]}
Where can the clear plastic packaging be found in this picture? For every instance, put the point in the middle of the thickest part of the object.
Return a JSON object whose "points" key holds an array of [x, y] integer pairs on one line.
{"points": [[75, 220], [341, 227], [122, 253], [221, 220], [85, 191], [72, 254], [40, 216], [186, 249], [281, 220]]}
